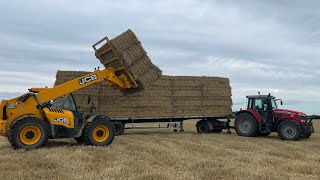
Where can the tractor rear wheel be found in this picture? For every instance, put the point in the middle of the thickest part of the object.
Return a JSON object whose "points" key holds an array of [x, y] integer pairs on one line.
{"points": [[99, 132], [29, 133], [118, 127], [246, 125], [289, 130]]}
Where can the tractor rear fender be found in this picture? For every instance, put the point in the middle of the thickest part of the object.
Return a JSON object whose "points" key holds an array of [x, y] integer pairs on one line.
{"points": [[255, 114]]}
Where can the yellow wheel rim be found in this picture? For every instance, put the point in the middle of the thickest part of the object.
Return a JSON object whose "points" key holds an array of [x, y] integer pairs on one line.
{"points": [[30, 135], [101, 133]]}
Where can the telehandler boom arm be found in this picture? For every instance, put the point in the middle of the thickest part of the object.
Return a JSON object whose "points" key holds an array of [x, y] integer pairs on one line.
{"points": [[121, 81]]}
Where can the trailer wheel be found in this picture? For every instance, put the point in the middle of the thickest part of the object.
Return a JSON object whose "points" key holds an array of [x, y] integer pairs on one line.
{"points": [[289, 130], [202, 127], [118, 127], [99, 132], [246, 125]]}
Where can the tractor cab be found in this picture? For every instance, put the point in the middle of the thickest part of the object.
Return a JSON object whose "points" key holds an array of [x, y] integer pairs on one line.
{"points": [[264, 105]]}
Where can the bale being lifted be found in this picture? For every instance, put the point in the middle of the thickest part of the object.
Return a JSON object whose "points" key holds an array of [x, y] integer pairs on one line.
{"points": [[126, 51]]}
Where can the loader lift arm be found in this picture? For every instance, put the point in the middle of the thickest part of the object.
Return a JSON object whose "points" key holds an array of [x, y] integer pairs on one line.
{"points": [[119, 78]]}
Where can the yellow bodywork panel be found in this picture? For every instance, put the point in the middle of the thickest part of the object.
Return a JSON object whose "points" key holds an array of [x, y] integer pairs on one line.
{"points": [[16, 110], [60, 117]]}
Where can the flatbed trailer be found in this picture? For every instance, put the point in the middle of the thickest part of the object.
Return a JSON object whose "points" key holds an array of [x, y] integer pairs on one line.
{"points": [[205, 124]]}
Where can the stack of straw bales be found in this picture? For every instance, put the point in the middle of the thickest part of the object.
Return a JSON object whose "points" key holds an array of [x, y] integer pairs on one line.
{"points": [[170, 96], [162, 96]]}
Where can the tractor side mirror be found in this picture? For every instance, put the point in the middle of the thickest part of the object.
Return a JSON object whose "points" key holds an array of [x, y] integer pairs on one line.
{"points": [[281, 103]]}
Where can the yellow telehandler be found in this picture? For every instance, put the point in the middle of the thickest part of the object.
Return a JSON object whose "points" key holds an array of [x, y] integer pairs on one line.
{"points": [[29, 120]]}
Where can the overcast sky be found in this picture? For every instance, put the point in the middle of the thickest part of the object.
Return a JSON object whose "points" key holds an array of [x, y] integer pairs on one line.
{"points": [[268, 46]]}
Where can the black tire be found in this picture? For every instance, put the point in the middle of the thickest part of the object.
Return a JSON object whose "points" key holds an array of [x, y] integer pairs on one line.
{"points": [[202, 127], [88, 132], [217, 130], [29, 128], [118, 128], [246, 125], [306, 136], [289, 130]]}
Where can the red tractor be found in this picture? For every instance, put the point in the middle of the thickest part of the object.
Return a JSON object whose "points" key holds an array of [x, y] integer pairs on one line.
{"points": [[262, 117]]}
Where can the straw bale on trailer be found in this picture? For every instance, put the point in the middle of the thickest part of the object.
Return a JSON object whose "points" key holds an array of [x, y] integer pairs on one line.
{"points": [[132, 56], [170, 96]]}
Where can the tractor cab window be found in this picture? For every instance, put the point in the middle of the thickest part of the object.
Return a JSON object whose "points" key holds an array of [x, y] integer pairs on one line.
{"points": [[274, 104], [258, 104], [66, 103]]}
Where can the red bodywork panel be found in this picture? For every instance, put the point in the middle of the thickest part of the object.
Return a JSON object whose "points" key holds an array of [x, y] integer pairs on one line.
{"points": [[284, 114], [254, 113], [279, 114]]}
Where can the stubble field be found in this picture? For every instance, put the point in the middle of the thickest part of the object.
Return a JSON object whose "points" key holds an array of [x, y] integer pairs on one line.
{"points": [[163, 154]]}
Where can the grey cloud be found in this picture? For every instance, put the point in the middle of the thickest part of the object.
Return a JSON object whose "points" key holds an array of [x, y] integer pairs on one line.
{"points": [[258, 44]]}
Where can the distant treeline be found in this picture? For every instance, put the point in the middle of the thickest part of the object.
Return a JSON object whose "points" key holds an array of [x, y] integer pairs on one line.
{"points": [[315, 116], [312, 116]]}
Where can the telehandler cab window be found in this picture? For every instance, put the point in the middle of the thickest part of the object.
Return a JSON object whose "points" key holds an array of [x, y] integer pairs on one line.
{"points": [[66, 103]]}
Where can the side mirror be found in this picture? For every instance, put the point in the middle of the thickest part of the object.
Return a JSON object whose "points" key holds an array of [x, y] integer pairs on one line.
{"points": [[281, 103]]}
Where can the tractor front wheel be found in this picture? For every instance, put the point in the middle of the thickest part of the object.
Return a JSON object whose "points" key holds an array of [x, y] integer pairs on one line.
{"points": [[29, 133], [289, 130], [246, 125]]}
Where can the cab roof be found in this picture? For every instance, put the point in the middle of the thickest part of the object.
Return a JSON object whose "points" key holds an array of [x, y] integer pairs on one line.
{"points": [[261, 97]]}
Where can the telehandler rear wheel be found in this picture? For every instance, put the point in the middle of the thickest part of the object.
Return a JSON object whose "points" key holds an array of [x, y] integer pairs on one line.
{"points": [[99, 132], [29, 133]]}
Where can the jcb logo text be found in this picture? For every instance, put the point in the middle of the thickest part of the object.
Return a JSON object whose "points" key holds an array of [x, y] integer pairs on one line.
{"points": [[88, 79]]}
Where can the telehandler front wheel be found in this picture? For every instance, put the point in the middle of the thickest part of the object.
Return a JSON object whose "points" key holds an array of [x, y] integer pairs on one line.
{"points": [[29, 133], [99, 132]]}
